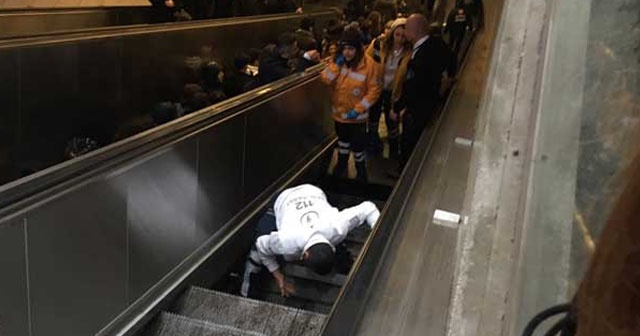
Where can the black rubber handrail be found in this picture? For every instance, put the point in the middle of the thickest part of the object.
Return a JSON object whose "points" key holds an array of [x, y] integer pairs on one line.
{"points": [[21, 193], [86, 34]]}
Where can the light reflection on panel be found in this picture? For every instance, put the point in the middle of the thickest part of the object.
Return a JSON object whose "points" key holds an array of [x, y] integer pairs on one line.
{"points": [[77, 260], [297, 122], [220, 176], [13, 281], [161, 211]]}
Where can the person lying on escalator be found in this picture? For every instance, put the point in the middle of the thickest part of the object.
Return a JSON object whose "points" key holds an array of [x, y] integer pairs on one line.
{"points": [[306, 228]]}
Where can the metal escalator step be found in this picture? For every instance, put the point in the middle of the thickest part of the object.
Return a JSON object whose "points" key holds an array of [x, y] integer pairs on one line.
{"points": [[358, 235], [306, 290], [297, 271], [169, 324], [246, 314], [294, 302]]}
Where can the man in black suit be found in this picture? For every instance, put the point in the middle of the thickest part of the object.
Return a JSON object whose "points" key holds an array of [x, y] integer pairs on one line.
{"points": [[421, 94]]}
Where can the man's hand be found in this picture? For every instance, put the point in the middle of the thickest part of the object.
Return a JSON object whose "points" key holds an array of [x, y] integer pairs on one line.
{"points": [[313, 55], [299, 10], [286, 289], [393, 116]]}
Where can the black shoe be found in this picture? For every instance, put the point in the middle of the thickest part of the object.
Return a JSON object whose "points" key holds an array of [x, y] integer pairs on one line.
{"points": [[340, 170], [393, 173], [361, 172]]}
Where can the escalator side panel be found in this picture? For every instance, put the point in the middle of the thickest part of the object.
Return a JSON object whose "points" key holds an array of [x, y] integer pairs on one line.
{"points": [[13, 304], [96, 247], [161, 214], [10, 117], [77, 256], [219, 197], [283, 128]]}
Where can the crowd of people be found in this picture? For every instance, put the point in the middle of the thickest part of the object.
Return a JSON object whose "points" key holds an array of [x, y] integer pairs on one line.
{"points": [[375, 65]]}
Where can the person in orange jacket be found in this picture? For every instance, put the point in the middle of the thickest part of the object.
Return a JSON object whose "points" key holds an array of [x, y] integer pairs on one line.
{"points": [[353, 78]]}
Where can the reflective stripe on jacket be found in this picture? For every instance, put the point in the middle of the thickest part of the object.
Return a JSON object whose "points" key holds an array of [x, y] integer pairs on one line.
{"points": [[353, 89]]}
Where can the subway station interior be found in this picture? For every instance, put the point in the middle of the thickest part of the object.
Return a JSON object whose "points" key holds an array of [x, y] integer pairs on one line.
{"points": [[145, 144]]}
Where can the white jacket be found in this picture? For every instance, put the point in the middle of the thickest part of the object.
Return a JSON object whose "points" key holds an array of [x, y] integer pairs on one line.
{"points": [[304, 218]]}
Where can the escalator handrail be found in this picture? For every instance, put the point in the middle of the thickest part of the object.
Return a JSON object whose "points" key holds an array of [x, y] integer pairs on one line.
{"points": [[26, 191], [343, 318], [86, 34]]}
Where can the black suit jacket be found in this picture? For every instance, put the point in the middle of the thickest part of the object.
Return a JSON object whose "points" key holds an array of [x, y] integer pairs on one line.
{"points": [[421, 91]]}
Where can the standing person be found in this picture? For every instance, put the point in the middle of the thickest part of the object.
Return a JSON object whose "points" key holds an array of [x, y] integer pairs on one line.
{"points": [[303, 227], [274, 63], [430, 58], [458, 23], [392, 53], [354, 82]]}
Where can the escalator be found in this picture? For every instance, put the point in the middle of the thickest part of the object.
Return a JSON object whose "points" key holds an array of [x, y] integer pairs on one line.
{"points": [[220, 311], [147, 236], [104, 84]]}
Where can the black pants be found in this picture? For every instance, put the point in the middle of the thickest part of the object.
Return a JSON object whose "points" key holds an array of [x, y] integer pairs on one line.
{"points": [[415, 121], [456, 42], [383, 105], [351, 138]]}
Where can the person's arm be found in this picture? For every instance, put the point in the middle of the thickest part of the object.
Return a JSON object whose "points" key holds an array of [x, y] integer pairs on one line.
{"points": [[267, 248], [330, 73], [350, 218], [373, 91]]}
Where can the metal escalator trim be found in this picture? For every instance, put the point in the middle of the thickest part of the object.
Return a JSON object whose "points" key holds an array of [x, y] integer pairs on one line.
{"points": [[26, 191], [134, 317], [347, 310], [144, 29]]}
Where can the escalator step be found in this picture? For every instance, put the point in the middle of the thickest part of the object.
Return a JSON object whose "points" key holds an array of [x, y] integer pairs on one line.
{"points": [[306, 290], [169, 324], [247, 314], [297, 271]]}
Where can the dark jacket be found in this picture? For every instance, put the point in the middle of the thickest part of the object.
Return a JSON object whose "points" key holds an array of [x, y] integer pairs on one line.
{"points": [[424, 76], [458, 22], [272, 66], [304, 63], [239, 83]]}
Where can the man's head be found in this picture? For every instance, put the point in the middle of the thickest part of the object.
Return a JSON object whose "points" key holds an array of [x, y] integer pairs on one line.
{"points": [[319, 257], [287, 45], [416, 28], [307, 23]]}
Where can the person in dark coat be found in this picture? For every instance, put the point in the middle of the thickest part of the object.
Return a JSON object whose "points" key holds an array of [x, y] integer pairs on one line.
{"points": [[274, 63], [310, 55], [430, 59], [458, 23], [212, 82], [243, 79]]}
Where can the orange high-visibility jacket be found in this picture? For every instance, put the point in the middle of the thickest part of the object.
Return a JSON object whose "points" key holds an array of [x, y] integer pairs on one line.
{"points": [[353, 89]]}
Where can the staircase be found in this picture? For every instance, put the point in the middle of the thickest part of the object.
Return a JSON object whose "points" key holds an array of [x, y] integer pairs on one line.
{"points": [[204, 312]]}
